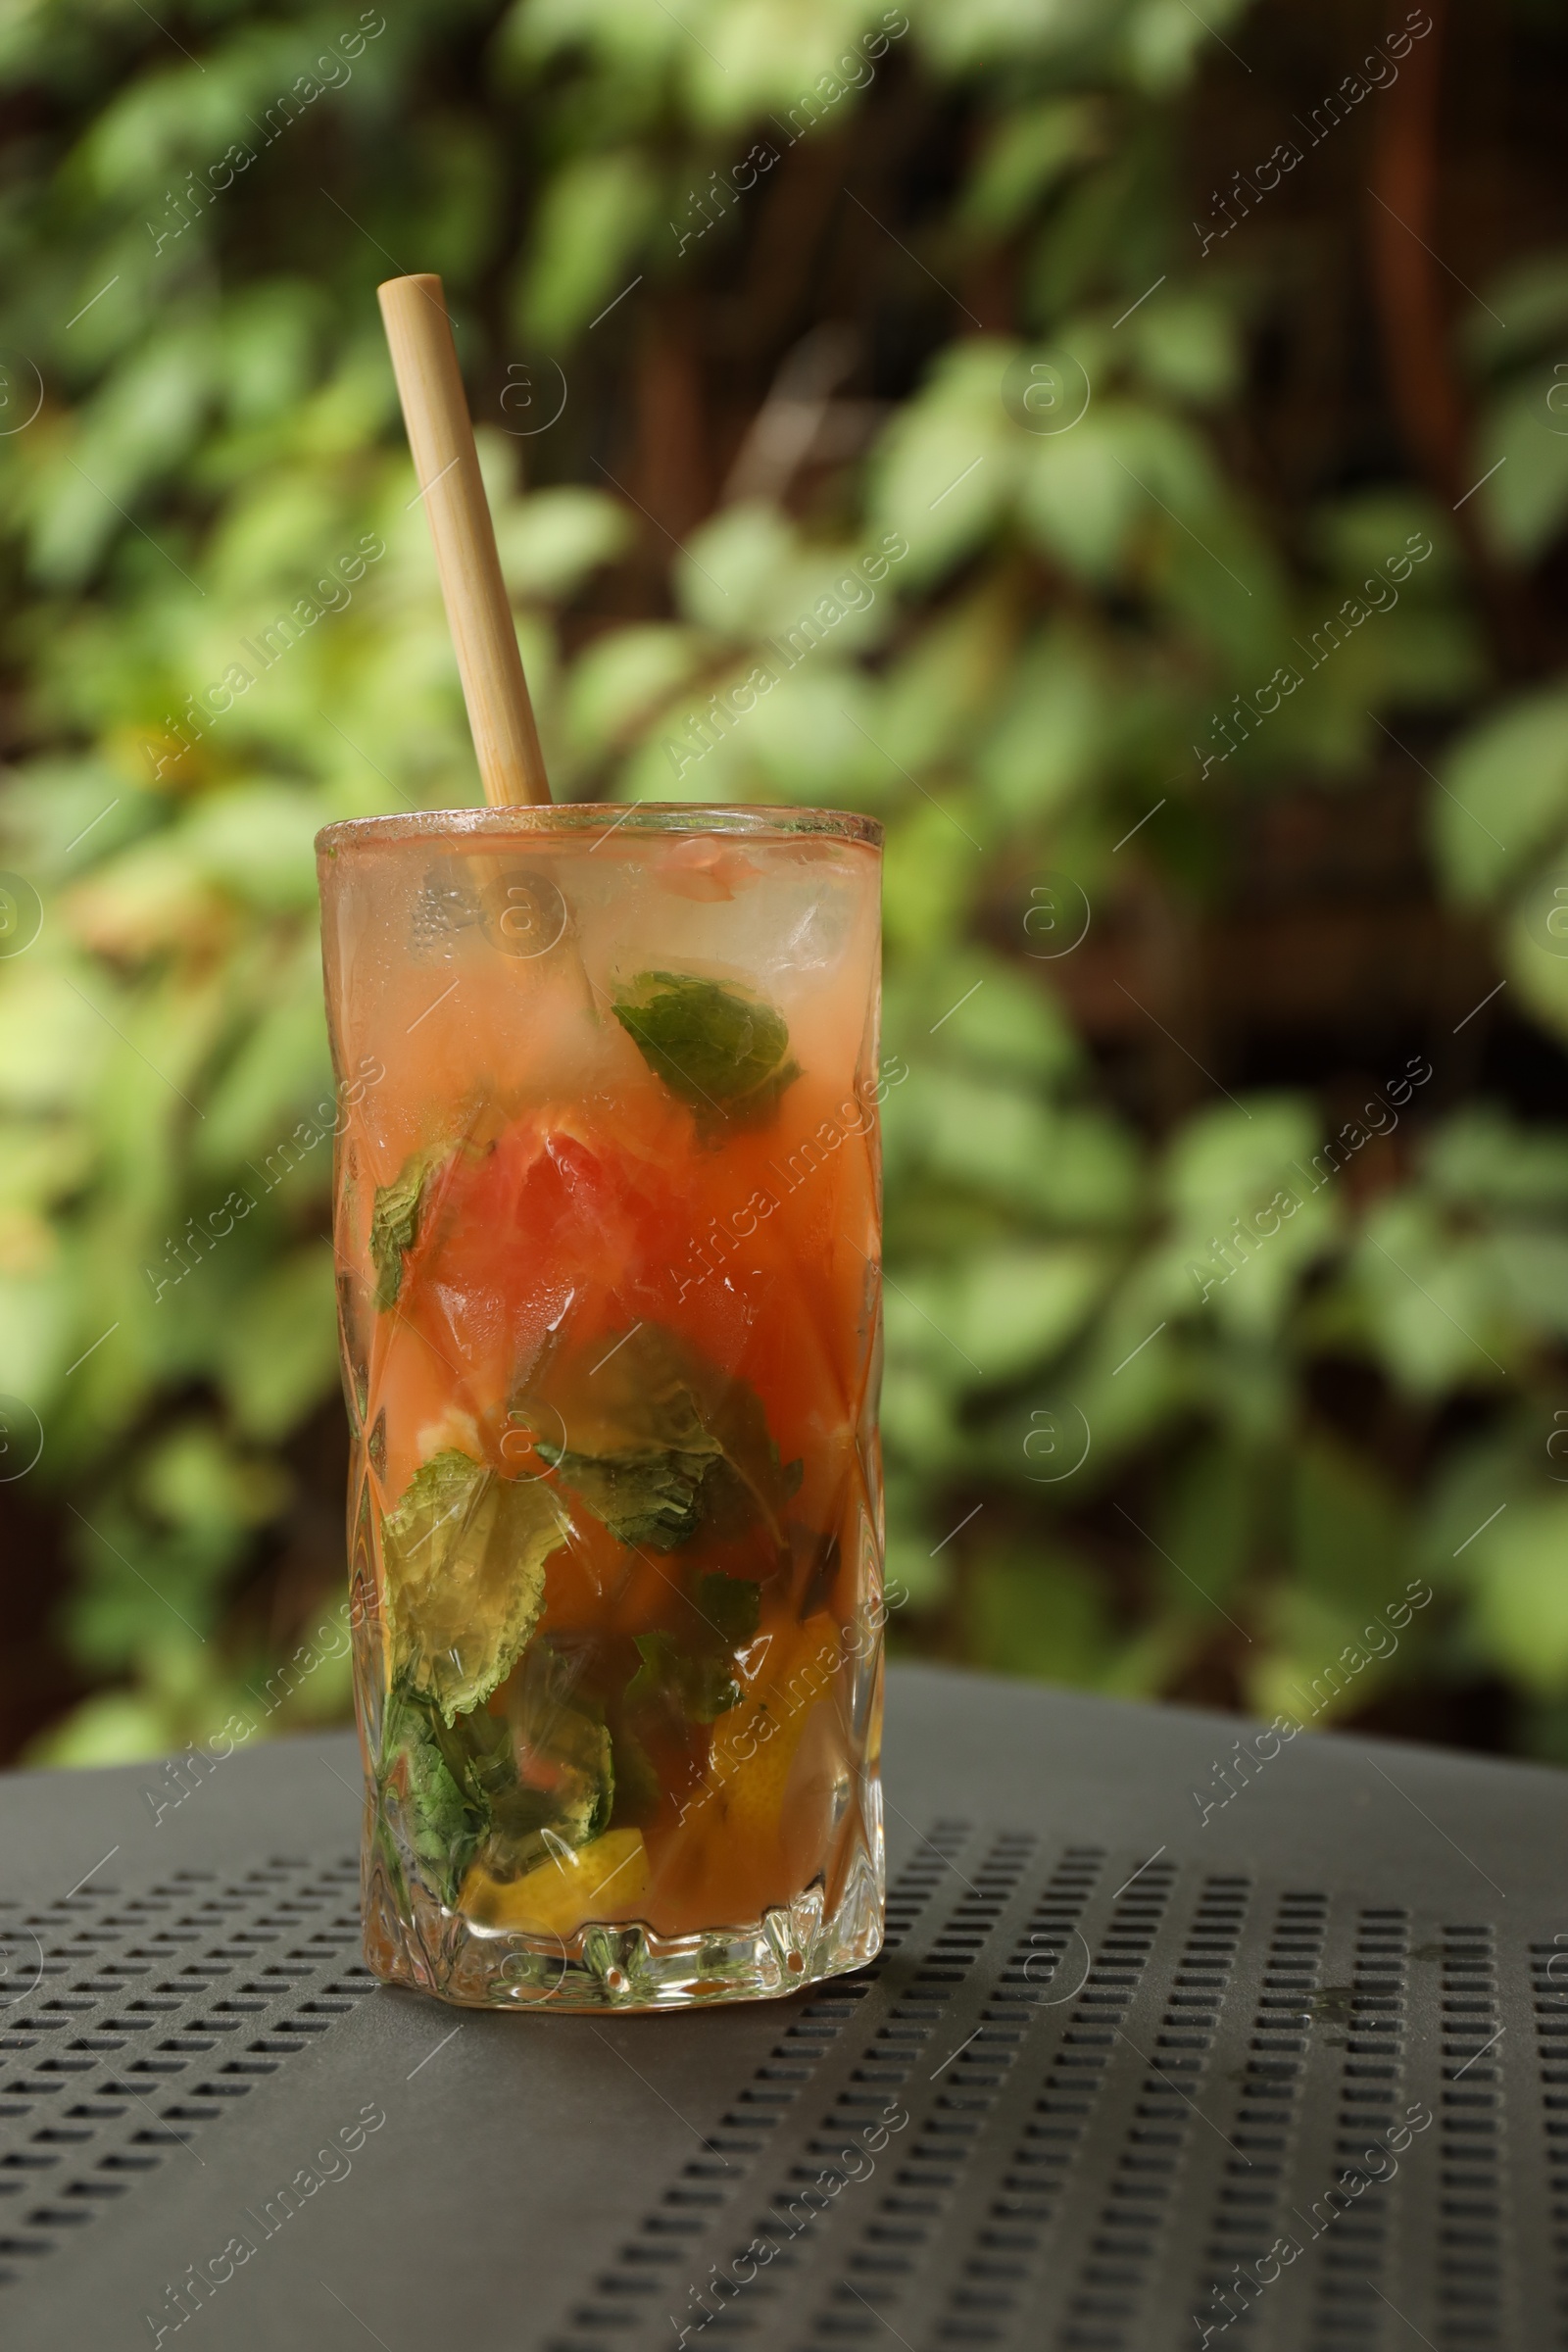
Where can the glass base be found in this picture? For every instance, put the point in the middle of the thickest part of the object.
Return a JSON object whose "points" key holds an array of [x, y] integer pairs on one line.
{"points": [[627, 1966]]}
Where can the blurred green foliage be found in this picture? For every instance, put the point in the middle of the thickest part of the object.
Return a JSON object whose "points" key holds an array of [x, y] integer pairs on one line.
{"points": [[766, 367]]}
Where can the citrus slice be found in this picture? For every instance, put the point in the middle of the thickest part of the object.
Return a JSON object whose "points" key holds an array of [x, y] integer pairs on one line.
{"points": [[755, 1747], [607, 1879], [751, 1767]]}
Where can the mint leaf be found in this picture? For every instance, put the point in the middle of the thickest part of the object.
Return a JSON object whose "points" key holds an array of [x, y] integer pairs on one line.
{"points": [[466, 1553], [395, 1224], [722, 1053], [402, 1209], [564, 1775], [696, 1679], [655, 1677], [732, 1605], [659, 1440], [643, 1498], [574, 1807], [504, 1790], [447, 1816], [693, 1685]]}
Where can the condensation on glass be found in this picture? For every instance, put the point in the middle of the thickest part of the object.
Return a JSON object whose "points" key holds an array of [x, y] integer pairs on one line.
{"points": [[607, 1226]]}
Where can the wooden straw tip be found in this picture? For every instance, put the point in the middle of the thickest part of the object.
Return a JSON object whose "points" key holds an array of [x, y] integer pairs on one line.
{"points": [[420, 282]]}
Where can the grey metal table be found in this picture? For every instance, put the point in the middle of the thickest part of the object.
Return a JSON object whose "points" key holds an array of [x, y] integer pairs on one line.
{"points": [[1125, 2077]]}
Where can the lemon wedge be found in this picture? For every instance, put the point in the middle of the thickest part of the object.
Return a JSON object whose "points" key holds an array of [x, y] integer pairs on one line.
{"points": [[604, 1879]]}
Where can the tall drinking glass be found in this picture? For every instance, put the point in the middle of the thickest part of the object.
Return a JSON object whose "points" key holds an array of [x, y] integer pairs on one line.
{"points": [[607, 1197]]}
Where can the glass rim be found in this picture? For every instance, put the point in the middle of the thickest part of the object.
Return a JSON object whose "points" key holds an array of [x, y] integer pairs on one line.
{"points": [[744, 819]]}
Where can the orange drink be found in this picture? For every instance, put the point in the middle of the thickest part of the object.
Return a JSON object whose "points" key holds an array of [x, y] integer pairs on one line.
{"points": [[607, 1197]]}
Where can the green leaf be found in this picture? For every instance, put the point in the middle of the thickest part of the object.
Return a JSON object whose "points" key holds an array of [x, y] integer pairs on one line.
{"points": [[1045, 1616], [1227, 1159], [1525, 503], [1348, 1533], [1521, 1596], [1482, 1159], [448, 1816], [925, 891], [549, 542], [1532, 1277], [395, 1223], [1187, 346], [503, 1789], [1047, 729], [561, 1760], [1010, 1027], [736, 577], [465, 1554], [652, 1498], [694, 1685], [587, 223], [617, 684], [1534, 292], [194, 1478], [1002, 1143], [1004, 32], [1025, 156], [1121, 471], [946, 467], [53, 1044], [1504, 794], [1356, 533], [732, 1605], [279, 1345], [999, 1312], [279, 1072], [1162, 38], [661, 1442], [1431, 1299], [720, 1052], [937, 694], [258, 842], [1530, 942]]}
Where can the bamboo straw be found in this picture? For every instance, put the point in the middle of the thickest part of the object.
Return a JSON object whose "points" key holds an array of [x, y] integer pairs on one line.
{"points": [[424, 361]]}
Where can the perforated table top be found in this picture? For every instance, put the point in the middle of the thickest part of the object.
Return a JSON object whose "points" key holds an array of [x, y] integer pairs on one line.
{"points": [[1291, 2072]]}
